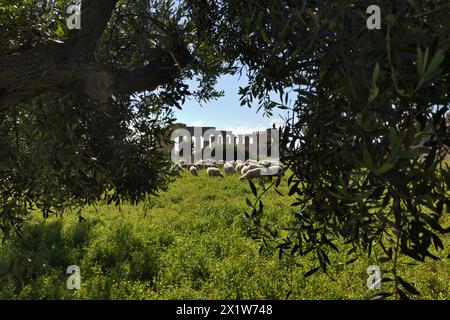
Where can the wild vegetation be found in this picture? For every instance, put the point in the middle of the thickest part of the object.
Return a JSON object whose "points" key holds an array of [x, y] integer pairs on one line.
{"points": [[194, 242], [82, 113]]}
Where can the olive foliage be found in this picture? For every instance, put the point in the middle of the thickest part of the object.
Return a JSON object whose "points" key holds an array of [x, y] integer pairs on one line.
{"points": [[366, 140], [368, 136], [60, 150]]}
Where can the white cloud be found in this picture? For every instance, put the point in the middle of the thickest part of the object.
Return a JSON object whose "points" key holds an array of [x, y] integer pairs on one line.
{"points": [[242, 129], [246, 129]]}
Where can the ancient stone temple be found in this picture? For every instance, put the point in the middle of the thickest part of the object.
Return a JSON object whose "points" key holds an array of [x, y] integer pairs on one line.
{"points": [[209, 142]]}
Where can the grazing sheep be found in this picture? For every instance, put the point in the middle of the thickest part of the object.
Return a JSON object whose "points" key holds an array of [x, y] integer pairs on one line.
{"points": [[265, 163], [276, 163], [193, 170], [200, 164], [250, 167], [228, 168], [209, 163], [274, 171], [213, 172], [239, 166], [262, 172], [251, 174]]}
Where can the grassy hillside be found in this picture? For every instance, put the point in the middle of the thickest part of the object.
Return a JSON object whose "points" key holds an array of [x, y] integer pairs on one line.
{"points": [[193, 243]]}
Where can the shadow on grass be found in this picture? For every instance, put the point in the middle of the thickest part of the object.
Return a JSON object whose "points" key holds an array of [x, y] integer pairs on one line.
{"points": [[43, 246]]}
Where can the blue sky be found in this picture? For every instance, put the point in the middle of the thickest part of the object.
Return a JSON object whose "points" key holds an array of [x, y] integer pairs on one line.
{"points": [[226, 113]]}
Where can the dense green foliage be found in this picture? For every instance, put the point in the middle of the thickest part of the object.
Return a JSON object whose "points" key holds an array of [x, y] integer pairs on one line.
{"points": [[365, 142], [368, 131], [194, 243], [57, 155], [60, 151]]}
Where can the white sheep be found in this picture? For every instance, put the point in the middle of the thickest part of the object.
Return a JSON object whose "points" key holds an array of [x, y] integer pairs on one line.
{"points": [[250, 167], [265, 163], [228, 168], [209, 163], [276, 163], [213, 172], [193, 170], [239, 166], [274, 171], [251, 174], [262, 172], [200, 164]]}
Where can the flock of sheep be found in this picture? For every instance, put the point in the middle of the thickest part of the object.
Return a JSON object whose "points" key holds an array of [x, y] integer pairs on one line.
{"points": [[249, 169]]}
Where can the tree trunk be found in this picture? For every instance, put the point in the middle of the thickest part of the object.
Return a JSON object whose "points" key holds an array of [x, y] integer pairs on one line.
{"points": [[71, 67]]}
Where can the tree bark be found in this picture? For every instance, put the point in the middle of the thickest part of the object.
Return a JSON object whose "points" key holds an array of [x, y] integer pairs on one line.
{"points": [[28, 74], [71, 67]]}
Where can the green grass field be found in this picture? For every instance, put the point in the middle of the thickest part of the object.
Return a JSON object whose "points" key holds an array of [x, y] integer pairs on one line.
{"points": [[193, 243]]}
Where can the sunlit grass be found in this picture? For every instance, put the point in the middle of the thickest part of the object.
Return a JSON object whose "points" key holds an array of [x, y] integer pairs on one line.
{"points": [[193, 243]]}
